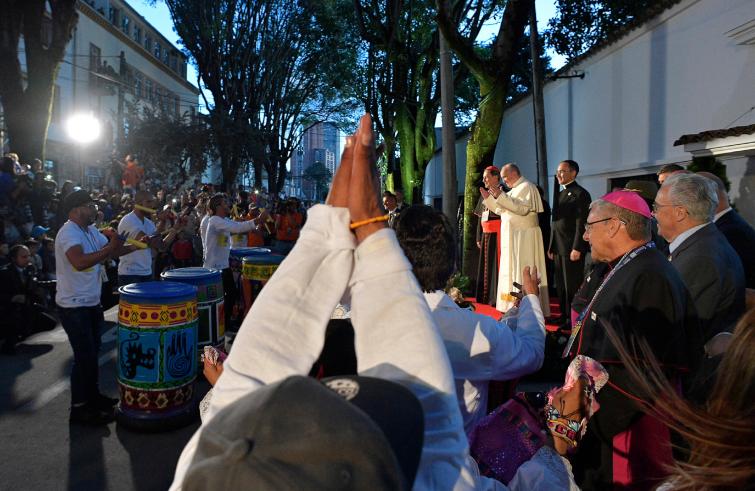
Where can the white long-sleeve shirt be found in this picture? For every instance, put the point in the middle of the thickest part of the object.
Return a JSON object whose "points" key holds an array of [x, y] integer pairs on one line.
{"points": [[395, 338], [217, 240], [482, 349]]}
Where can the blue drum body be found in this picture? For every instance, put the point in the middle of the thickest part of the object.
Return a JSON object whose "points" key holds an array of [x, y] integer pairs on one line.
{"points": [[239, 253], [210, 305], [157, 362]]}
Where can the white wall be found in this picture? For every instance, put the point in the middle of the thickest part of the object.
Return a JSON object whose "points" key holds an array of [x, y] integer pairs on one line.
{"points": [[680, 73]]}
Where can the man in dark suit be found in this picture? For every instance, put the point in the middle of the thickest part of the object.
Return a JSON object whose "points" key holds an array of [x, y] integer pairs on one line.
{"points": [[567, 246], [709, 267], [738, 232], [20, 311]]}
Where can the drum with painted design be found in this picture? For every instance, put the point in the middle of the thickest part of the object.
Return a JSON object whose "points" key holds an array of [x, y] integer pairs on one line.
{"points": [[239, 253], [209, 283], [157, 362], [255, 272]]}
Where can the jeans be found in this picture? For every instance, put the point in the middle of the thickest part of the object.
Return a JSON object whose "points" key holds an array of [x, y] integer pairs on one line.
{"points": [[83, 325], [230, 297], [127, 279]]}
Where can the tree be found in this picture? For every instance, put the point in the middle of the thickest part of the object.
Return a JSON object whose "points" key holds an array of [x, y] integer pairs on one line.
{"points": [[493, 75], [309, 55], [401, 85], [272, 66], [320, 175], [581, 24], [27, 98], [171, 148]]}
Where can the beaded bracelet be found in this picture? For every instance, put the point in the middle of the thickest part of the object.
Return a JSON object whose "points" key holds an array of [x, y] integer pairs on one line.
{"points": [[355, 225]]}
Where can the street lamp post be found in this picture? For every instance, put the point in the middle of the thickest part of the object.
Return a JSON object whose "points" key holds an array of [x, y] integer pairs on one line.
{"points": [[83, 128]]}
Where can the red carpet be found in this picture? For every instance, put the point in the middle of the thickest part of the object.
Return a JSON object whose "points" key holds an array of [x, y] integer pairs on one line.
{"points": [[492, 312]]}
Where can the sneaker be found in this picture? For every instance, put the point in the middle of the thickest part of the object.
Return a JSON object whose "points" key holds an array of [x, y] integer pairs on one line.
{"points": [[105, 403], [90, 416]]}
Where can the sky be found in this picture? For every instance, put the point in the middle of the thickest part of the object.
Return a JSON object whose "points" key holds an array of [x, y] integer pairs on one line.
{"points": [[159, 16]]}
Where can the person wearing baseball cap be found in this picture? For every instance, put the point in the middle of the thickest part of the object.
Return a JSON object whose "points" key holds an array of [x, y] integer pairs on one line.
{"points": [[639, 294], [80, 250]]}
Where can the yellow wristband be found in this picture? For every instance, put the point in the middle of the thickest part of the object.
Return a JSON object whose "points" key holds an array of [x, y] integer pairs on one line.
{"points": [[355, 225]]}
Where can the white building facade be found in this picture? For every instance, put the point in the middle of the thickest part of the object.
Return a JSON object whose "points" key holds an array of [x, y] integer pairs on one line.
{"points": [[687, 70], [115, 61]]}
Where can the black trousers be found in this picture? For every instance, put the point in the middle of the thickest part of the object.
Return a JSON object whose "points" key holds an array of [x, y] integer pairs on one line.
{"points": [[230, 297], [568, 275]]}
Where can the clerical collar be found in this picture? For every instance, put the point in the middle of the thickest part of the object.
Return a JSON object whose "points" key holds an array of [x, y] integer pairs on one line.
{"points": [[683, 236], [561, 187], [518, 182], [721, 213]]}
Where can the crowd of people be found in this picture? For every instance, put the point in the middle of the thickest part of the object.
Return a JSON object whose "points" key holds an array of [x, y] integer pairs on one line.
{"points": [[656, 394], [33, 210], [652, 284]]}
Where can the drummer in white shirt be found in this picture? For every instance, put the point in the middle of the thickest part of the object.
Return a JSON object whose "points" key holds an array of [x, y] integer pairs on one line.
{"points": [[217, 246], [137, 267]]}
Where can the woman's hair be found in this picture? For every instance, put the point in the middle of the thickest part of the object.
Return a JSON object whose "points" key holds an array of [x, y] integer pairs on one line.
{"points": [[427, 238], [721, 434]]}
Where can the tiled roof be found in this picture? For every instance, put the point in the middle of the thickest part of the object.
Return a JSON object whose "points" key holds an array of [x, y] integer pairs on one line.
{"points": [[704, 136]]}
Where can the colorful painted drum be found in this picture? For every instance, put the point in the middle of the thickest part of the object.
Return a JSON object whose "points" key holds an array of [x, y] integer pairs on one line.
{"points": [[257, 269], [157, 362], [239, 253], [209, 283]]}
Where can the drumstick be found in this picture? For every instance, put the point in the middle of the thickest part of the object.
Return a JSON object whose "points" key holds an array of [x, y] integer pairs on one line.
{"points": [[151, 211]]}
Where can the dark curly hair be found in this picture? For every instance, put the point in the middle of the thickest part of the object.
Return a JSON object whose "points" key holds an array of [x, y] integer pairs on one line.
{"points": [[427, 238]]}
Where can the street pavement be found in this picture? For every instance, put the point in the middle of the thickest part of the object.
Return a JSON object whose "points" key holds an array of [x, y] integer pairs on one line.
{"points": [[40, 450]]}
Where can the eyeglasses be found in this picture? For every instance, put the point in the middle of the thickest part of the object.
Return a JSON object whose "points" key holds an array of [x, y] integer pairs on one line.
{"points": [[657, 206], [588, 225]]}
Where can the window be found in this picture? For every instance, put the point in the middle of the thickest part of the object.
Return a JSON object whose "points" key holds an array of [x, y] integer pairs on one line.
{"points": [[126, 25], [166, 56], [113, 15], [177, 105], [138, 34], [94, 63], [138, 84], [158, 50], [148, 43], [174, 63], [150, 95]]}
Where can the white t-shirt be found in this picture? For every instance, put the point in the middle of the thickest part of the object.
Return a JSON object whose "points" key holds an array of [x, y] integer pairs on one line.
{"points": [[138, 262], [203, 234], [77, 288], [217, 242]]}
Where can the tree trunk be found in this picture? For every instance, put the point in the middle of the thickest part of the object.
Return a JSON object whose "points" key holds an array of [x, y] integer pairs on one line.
{"points": [[27, 110], [407, 161], [480, 151], [28, 119]]}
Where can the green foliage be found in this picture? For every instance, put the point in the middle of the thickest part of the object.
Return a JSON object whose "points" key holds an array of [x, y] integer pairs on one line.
{"points": [[171, 148], [712, 165], [321, 176], [273, 67], [581, 24]]}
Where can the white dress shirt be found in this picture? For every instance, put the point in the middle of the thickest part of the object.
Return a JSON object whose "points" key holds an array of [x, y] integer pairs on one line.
{"points": [[482, 349]]}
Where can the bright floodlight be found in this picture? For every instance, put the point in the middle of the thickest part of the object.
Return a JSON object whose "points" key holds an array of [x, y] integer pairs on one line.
{"points": [[83, 128]]}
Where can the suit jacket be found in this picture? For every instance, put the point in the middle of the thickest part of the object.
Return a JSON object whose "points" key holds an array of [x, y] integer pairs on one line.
{"points": [[741, 237], [12, 283], [645, 299], [570, 211], [714, 276]]}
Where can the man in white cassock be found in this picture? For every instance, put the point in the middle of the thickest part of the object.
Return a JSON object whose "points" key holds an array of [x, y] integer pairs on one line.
{"points": [[521, 238]]}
